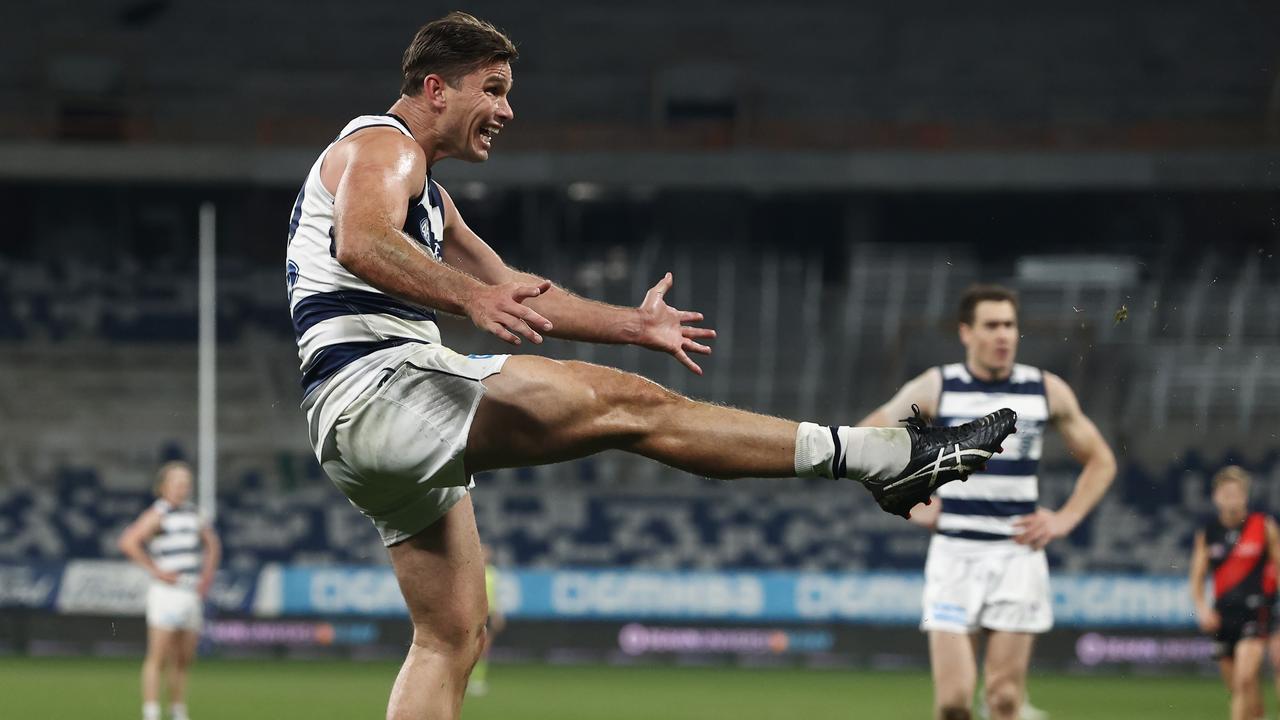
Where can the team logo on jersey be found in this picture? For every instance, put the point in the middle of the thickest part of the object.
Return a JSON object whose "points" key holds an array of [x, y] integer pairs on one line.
{"points": [[291, 276], [419, 226], [428, 238]]}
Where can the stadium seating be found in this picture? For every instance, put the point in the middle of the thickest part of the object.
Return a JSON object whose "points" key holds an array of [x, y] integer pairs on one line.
{"points": [[598, 514], [919, 74], [98, 368], [1194, 355]]}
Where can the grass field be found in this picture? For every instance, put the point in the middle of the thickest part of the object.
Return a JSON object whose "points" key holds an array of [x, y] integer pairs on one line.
{"points": [[57, 689]]}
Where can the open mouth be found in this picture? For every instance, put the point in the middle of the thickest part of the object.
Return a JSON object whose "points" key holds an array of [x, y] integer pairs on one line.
{"points": [[488, 133]]}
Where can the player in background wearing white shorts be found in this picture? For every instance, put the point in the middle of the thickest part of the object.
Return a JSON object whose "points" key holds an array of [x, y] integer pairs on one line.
{"points": [[986, 571], [181, 551], [400, 423]]}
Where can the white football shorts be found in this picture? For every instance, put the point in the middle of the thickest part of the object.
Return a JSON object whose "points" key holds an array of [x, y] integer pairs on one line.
{"points": [[979, 584], [174, 607], [396, 450]]}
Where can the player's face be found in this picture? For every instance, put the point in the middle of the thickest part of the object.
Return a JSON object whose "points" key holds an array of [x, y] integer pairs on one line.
{"points": [[1232, 502], [477, 110], [177, 486], [991, 342]]}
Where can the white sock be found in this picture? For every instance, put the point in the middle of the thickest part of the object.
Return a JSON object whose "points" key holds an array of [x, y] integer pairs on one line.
{"points": [[150, 711], [849, 452], [178, 711]]}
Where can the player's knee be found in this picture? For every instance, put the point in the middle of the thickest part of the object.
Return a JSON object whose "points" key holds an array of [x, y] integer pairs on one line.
{"points": [[1004, 701], [1244, 683], [621, 404], [553, 398], [460, 638], [953, 702], [478, 647]]}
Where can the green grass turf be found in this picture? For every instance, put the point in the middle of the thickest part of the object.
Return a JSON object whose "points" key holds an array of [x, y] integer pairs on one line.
{"points": [[83, 689]]}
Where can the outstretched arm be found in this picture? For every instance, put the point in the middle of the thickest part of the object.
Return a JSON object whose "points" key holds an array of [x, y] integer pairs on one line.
{"points": [[654, 324], [373, 176], [1086, 445]]}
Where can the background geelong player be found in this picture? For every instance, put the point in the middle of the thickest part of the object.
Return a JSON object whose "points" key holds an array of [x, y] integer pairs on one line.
{"points": [[181, 552], [1242, 550], [986, 569]]}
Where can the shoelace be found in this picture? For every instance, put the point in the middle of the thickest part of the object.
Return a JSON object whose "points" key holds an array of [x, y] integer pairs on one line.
{"points": [[918, 423]]}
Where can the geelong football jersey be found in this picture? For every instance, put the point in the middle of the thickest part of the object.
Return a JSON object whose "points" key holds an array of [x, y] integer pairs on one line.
{"points": [[1239, 562], [337, 317], [176, 547], [986, 505]]}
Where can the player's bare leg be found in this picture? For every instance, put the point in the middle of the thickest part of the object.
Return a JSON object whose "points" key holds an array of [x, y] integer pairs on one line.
{"points": [[955, 674], [1273, 653], [441, 574], [1227, 669], [1245, 689], [182, 653], [1005, 670], [159, 647], [540, 411]]}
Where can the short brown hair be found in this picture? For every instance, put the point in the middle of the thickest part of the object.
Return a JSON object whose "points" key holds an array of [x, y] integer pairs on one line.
{"points": [[1231, 473], [982, 293], [451, 47]]}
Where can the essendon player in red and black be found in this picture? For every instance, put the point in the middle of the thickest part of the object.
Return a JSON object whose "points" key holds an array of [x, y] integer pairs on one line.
{"points": [[1241, 549]]}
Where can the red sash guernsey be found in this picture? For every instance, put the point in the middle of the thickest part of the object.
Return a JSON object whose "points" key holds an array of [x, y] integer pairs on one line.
{"points": [[1242, 568]]}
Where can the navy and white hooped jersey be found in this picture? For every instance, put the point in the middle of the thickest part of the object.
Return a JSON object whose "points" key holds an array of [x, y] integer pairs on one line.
{"points": [[177, 547], [985, 506], [337, 317]]}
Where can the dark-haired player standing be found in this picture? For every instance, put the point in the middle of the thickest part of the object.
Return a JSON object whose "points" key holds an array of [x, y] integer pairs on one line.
{"points": [[986, 574]]}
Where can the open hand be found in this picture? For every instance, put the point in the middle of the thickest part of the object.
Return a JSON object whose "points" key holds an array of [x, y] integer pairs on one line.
{"points": [[925, 514], [500, 310], [166, 576], [1041, 527], [664, 329]]}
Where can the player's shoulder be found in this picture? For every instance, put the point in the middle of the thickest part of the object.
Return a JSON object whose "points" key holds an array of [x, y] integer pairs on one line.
{"points": [[951, 371], [378, 138], [370, 124], [381, 143], [1028, 374], [1055, 386], [377, 152]]}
